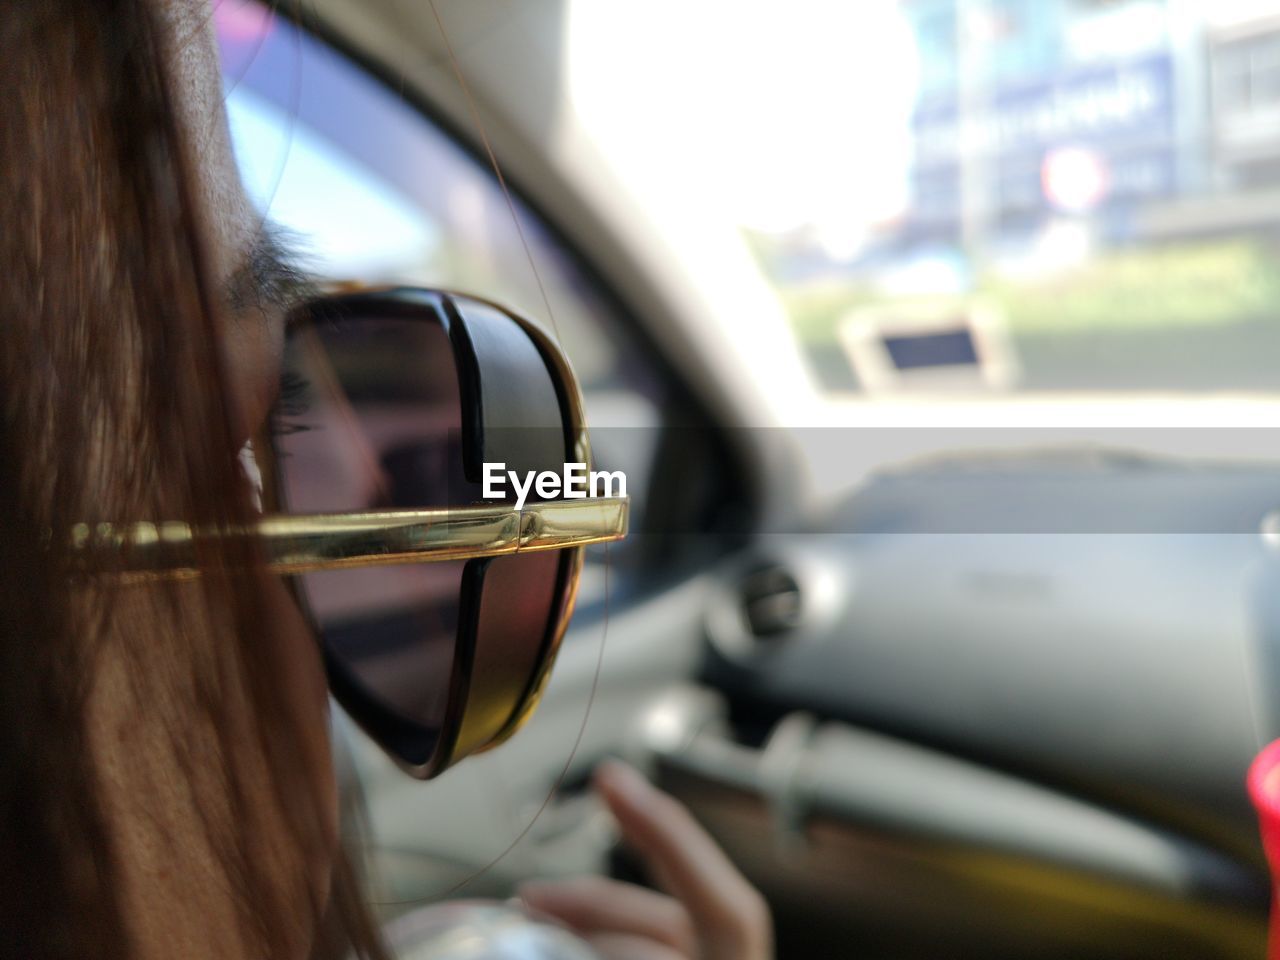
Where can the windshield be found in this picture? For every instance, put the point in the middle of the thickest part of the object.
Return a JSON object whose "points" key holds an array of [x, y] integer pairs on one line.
{"points": [[992, 200]]}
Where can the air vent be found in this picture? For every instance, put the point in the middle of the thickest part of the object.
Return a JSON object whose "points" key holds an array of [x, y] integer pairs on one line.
{"points": [[770, 600]]}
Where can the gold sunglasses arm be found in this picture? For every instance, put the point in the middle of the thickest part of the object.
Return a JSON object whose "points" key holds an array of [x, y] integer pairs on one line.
{"points": [[304, 543]]}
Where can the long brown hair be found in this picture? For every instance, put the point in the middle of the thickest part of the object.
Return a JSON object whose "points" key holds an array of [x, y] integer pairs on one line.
{"points": [[114, 409]]}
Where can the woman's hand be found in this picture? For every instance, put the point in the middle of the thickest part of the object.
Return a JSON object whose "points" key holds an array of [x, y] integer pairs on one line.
{"points": [[709, 911]]}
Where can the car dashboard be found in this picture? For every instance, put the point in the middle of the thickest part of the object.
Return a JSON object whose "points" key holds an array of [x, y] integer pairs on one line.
{"points": [[1006, 701]]}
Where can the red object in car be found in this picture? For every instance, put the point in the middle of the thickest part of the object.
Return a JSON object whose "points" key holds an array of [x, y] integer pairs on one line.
{"points": [[1264, 791]]}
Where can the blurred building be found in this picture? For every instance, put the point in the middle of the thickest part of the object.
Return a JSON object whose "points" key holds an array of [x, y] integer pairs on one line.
{"points": [[1029, 109], [1242, 44]]}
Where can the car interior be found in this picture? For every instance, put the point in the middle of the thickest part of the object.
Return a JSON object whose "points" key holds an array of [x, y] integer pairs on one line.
{"points": [[958, 629]]}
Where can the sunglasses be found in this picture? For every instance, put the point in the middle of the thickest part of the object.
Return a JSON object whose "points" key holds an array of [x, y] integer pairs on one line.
{"points": [[439, 614]]}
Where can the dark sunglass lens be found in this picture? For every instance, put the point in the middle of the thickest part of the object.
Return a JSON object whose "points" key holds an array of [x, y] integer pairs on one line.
{"points": [[373, 423], [518, 600], [372, 419]]}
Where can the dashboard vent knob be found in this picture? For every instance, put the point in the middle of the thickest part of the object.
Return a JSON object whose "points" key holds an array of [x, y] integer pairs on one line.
{"points": [[770, 600]]}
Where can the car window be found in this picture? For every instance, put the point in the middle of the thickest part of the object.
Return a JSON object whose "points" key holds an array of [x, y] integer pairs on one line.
{"points": [[986, 199], [1082, 211], [403, 202]]}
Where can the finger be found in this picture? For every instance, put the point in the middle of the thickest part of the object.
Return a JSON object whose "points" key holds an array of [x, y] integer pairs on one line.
{"points": [[616, 946], [725, 909], [600, 905]]}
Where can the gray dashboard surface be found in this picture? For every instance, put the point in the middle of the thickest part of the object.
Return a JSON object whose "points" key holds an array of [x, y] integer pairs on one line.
{"points": [[1105, 624]]}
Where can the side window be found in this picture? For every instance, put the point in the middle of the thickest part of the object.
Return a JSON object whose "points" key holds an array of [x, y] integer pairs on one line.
{"points": [[373, 190]]}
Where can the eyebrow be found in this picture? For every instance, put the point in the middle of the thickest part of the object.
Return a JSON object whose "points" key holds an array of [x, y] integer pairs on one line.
{"points": [[269, 276]]}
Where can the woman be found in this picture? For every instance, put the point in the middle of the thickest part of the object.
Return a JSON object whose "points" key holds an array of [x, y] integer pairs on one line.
{"points": [[167, 786]]}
